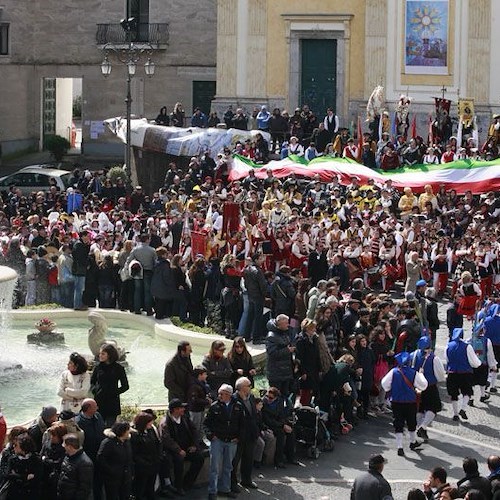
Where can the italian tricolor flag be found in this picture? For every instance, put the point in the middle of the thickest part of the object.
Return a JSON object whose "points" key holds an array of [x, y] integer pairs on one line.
{"points": [[462, 175]]}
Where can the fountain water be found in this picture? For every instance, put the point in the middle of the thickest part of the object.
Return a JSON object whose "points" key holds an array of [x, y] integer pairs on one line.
{"points": [[8, 278]]}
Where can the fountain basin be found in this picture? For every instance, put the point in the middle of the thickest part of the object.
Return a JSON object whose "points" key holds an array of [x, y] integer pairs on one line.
{"points": [[150, 344]]}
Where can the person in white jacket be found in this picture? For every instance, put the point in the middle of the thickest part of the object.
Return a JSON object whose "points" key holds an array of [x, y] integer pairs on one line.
{"points": [[74, 385]]}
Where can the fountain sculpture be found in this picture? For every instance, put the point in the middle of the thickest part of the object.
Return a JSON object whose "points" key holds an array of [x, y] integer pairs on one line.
{"points": [[97, 334]]}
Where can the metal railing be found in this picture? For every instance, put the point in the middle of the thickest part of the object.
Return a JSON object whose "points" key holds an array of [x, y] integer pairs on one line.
{"points": [[156, 34]]}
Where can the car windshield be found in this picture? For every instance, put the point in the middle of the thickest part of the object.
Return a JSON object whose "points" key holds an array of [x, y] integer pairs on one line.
{"points": [[65, 179]]}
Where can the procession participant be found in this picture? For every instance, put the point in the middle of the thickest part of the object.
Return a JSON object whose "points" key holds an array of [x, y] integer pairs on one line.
{"points": [[404, 382], [492, 332], [484, 350], [468, 293], [461, 360], [425, 361]]}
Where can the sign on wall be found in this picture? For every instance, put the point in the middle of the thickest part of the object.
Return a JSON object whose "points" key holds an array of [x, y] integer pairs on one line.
{"points": [[426, 37]]}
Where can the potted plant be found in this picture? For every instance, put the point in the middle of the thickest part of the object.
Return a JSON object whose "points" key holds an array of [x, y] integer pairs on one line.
{"points": [[45, 325]]}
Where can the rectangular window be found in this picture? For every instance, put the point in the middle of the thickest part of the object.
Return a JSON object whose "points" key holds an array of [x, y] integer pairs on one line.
{"points": [[4, 39]]}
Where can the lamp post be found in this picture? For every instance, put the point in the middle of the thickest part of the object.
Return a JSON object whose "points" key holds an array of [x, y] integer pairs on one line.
{"points": [[129, 56]]}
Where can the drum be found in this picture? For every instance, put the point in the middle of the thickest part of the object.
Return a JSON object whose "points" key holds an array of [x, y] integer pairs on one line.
{"points": [[373, 275]]}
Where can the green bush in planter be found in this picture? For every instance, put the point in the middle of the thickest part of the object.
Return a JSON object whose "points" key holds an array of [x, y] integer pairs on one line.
{"points": [[57, 145]]}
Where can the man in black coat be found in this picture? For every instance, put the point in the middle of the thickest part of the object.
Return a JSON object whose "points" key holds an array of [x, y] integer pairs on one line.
{"points": [[180, 440], [279, 351], [80, 254], [277, 417], [317, 264], [92, 425], [162, 285], [473, 480], [339, 269], [179, 372], [37, 429], [257, 289], [283, 293], [77, 472], [351, 317], [224, 427], [115, 462], [245, 449], [372, 485]]}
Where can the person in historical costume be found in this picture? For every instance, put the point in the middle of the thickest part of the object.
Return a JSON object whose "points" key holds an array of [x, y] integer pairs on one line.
{"points": [[492, 332], [404, 381], [425, 361], [484, 350], [461, 360]]}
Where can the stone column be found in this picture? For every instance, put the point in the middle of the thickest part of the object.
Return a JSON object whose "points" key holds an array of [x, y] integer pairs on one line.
{"points": [[375, 45], [241, 53], [478, 50]]}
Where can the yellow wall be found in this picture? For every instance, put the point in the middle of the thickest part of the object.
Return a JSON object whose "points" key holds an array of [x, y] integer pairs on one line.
{"points": [[277, 45]]}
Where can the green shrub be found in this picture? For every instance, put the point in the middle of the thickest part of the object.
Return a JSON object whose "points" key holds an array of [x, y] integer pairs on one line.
{"points": [[115, 172], [130, 411], [57, 145], [194, 328]]}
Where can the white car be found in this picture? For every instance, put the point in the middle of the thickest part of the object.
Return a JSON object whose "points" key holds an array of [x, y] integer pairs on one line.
{"points": [[36, 178]]}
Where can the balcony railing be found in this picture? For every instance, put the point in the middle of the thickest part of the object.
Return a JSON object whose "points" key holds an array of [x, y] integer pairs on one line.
{"points": [[155, 34]]}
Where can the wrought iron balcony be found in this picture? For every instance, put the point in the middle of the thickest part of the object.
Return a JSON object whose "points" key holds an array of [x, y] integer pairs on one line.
{"points": [[155, 34]]}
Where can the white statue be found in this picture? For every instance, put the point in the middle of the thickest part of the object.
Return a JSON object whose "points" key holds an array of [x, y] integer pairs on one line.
{"points": [[97, 335]]}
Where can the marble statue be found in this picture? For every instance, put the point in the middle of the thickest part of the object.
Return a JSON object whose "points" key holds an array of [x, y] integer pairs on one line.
{"points": [[97, 334]]}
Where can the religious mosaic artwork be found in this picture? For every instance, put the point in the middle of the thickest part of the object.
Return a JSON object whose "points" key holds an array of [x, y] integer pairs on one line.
{"points": [[426, 37]]}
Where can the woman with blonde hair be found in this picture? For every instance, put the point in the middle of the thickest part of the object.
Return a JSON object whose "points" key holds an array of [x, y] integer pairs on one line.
{"points": [[178, 115]]}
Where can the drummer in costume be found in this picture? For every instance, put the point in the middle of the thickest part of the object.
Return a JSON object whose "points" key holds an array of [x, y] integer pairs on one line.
{"points": [[425, 361], [484, 350], [403, 382], [461, 360], [492, 333], [468, 293]]}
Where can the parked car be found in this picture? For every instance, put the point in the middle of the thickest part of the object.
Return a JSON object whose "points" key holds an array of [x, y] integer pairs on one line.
{"points": [[36, 178]]}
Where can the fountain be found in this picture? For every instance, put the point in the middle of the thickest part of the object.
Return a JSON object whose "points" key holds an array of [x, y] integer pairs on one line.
{"points": [[8, 278]]}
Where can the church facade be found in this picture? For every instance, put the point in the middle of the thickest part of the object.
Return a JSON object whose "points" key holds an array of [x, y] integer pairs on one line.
{"points": [[331, 53]]}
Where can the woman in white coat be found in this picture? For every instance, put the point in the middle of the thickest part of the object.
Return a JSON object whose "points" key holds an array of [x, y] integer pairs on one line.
{"points": [[74, 386]]}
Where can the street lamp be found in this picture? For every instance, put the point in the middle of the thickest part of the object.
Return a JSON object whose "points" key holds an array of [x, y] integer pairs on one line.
{"points": [[129, 56]]}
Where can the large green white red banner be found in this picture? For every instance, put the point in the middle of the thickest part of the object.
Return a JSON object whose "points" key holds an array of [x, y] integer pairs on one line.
{"points": [[462, 175]]}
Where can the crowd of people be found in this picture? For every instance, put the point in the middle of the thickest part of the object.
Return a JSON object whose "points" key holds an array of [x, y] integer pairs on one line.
{"points": [[306, 134], [372, 485], [312, 270]]}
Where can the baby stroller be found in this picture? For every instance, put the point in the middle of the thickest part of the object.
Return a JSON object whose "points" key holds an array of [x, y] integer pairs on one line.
{"points": [[311, 431]]}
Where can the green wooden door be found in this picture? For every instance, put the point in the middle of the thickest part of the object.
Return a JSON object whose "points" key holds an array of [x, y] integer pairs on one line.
{"points": [[203, 95], [318, 87]]}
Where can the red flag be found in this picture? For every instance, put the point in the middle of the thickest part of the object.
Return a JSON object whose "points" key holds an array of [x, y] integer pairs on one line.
{"points": [[230, 218], [360, 139], [198, 243], [414, 127]]}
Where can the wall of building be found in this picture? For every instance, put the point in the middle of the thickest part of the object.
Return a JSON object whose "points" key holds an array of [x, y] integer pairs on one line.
{"points": [[57, 38]]}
